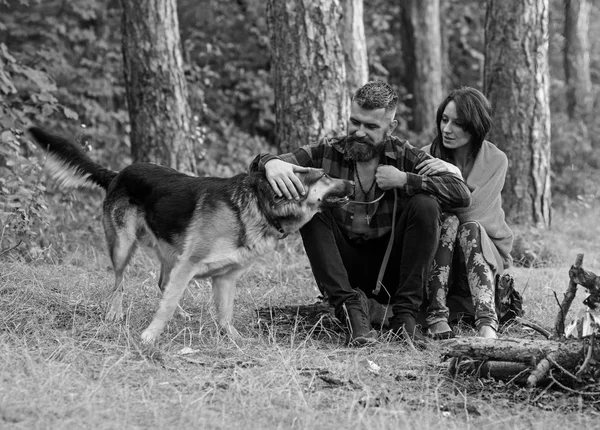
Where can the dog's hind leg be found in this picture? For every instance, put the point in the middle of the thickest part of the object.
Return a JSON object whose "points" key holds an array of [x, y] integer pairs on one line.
{"points": [[121, 246], [165, 270], [177, 280], [223, 287]]}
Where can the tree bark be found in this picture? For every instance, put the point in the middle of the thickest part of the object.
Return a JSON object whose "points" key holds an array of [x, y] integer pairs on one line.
{"points": [[516, 81], [157, 96], [445, 32], [423, 51], [352, 35], [577, 60], [309, 77]]}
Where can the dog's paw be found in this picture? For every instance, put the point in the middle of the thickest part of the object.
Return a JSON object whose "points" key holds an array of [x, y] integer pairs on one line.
{"points": [[113, 316], [149, 336]]}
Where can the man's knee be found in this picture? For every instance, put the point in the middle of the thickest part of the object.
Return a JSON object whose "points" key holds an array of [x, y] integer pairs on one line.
{"points": [[424, 213], [425, 207]]}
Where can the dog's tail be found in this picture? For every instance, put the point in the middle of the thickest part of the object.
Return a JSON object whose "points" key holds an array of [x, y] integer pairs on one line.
{"points": [[68, 164]]}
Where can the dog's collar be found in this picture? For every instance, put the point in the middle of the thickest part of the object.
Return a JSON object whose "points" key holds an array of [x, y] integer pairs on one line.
{"points": [[275, 223]]}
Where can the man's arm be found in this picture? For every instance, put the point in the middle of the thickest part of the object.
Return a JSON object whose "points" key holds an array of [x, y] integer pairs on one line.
{"points": [[451, 190], [281, 171]]}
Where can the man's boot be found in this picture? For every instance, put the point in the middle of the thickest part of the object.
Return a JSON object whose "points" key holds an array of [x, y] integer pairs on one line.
{"points": [[402, 325], [355, 314]]}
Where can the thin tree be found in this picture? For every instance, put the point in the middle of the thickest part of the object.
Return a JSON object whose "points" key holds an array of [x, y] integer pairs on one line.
{"points": [[157, 95], [352, 35], [577, 59], [309, 78], [516, 80], [445, 32], [422, 49]]}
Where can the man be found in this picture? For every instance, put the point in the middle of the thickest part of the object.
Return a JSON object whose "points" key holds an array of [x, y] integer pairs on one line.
{"points": [[346, 246]]}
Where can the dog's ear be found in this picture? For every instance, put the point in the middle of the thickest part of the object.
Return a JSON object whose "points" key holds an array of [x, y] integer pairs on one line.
{"points": [[276, 200], [312, 176], [267, 192]]}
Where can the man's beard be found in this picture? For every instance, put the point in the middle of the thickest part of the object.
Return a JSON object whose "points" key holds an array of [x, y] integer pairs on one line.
{"points": [[361, 149]]}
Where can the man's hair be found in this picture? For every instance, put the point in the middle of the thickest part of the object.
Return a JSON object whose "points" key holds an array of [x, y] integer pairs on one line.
{"points": [[376, 95]]}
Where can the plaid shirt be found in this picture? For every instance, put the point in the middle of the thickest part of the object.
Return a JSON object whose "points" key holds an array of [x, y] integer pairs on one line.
{"points": [[450, 191]]}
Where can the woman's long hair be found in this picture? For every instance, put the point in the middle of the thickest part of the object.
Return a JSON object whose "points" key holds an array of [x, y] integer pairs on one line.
{"points": [[473, 110]]}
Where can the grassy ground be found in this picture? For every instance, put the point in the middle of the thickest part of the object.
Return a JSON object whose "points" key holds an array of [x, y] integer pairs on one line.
{"points": [[62, 366]]}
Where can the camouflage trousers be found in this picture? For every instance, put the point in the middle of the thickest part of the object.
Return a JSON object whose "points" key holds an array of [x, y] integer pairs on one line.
{"points": [[460, 270]]}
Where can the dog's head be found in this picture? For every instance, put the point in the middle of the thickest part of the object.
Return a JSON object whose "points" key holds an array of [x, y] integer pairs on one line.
{"points": [[321, 191], [324, 191]]}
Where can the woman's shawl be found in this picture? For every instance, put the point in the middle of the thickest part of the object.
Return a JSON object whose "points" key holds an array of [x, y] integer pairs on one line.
{"points": [[486, 181]]}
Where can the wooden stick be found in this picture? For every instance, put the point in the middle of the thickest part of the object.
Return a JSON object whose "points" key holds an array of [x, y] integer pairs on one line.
{"points": [[588, 356], [559, 325], [539, 372], [534, 326]]}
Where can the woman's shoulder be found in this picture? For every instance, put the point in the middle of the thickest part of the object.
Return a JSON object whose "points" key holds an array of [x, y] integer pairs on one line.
{"points": [[493, 153]]}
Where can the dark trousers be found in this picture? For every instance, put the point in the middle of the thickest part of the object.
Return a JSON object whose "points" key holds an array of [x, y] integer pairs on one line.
{"points": [[342, 265]]}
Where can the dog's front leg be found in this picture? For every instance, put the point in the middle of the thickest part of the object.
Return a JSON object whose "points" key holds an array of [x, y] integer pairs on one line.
{"points": [[223, 287], [115, 310], [178, 279]]}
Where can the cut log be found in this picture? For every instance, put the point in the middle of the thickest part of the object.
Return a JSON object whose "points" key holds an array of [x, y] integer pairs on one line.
{"points": [[537, 355], [530, 351]]}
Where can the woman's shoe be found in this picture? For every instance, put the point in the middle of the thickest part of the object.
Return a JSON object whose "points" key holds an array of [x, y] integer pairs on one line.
{"points": [[440, 331], [487, 332]]}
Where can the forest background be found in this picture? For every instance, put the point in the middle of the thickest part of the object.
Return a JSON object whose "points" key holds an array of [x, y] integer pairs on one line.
{"points": [[62, 68]]}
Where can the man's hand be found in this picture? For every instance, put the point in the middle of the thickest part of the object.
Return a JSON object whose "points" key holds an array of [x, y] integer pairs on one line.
{"points": [[389, 177], [435, 166], [282, 177]]}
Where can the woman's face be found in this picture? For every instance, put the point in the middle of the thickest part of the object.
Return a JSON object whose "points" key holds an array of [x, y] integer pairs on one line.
{"points": [[453, 134]]}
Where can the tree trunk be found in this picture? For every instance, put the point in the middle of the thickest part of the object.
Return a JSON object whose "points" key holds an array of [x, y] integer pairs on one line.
{"points": [[352, 35], [309, 77], [577, 59], [516, 81], [423, 51], [157, 96], [445, 32]]}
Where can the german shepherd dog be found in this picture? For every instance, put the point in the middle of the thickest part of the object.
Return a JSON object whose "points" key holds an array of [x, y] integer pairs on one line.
{"points": [[200, 226]]}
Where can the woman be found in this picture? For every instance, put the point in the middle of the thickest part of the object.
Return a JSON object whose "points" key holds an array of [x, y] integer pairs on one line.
{"points": [[480, 236]]}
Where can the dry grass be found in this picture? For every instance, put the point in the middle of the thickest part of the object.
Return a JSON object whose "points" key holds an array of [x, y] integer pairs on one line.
{"points": [[62, 366]]}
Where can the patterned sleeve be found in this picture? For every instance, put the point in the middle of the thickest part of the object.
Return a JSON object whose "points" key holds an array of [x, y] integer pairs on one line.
{"points": [[451, 191]]}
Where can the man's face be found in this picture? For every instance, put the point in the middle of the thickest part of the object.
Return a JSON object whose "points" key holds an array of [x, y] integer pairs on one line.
{"points": [[367, 130]]}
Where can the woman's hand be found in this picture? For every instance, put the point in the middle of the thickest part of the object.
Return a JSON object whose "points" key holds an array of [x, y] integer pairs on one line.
{"points": [[282, 177], [435, 166]]}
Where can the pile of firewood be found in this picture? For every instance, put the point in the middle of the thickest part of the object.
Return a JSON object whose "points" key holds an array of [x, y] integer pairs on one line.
{"points": [[568, 357]]}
